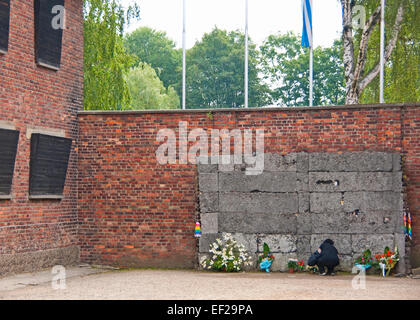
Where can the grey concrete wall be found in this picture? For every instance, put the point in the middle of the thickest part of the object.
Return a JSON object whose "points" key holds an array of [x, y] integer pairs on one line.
{"points": [[300, 199]]}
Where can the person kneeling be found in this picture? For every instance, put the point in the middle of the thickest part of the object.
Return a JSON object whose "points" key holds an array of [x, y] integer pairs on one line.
{"points": [[325, 257]]}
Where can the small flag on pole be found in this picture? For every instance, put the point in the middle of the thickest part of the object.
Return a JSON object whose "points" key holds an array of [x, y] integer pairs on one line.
{"points": [[307, 41], [307, 23], [197, 231]]}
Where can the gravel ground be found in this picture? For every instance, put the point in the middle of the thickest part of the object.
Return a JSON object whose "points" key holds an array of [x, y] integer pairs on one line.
{"points": [[192, 285]]}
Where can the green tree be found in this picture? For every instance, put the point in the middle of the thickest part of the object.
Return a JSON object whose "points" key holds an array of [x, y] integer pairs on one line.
{"points": [[156, 49], [402, 72], [285, 64], [147, 90], [215, 72], [105, 58], [360, 68]]}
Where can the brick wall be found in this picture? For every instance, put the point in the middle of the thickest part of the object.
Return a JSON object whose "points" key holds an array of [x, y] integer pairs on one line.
{"points": [[411, 150], [39, 233], [135, 212]]}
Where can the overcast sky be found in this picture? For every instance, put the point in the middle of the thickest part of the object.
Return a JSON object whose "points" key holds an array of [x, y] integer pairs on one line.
{"points": [[265, 17]]}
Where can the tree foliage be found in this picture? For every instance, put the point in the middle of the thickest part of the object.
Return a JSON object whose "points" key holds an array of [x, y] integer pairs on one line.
{"points": [[278, 70], [357, 44], [402, 72], [285, 64], [215, 72], [105, 58], [156, 49], [147, 90]]}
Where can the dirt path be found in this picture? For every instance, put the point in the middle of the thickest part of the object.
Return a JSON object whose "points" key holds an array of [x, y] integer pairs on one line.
{"points": [[162, 284]]}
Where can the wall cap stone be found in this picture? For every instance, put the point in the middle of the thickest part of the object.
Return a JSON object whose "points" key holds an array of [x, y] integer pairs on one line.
{"points": [[267, 109]]}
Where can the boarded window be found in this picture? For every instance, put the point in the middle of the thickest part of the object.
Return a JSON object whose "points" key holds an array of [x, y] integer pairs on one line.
{"points": [[48, 166], [8, 147], [48, 36], [4, 25]]}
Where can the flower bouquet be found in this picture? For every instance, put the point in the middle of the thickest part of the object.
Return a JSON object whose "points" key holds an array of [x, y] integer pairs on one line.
{"points": [[387, 260], [292, 265], [226, 255], [300, 265], [265, 259], [312, 269], [364, 261]]}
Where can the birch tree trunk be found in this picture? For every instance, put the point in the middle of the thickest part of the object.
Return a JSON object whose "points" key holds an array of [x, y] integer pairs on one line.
{"points": [[355, 74]]}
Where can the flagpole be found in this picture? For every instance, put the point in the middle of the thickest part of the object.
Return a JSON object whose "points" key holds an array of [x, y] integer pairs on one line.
{"points": [[183, 58], [307, 42], [381, 81], [311, 75], [246, 54], [311, 62]]}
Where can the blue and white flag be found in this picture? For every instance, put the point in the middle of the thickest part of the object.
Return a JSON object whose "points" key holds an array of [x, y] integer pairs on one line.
{"points": [[307, 23]]}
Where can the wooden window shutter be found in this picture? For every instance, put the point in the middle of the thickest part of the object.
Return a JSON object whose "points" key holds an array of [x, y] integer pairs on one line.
{"points": [[48, 164], [48, 38], [8, 148], [4, 25]]}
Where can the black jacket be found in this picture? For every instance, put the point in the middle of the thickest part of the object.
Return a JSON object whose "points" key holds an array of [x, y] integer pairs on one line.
{"points": [[313, 259], [327, 257]]}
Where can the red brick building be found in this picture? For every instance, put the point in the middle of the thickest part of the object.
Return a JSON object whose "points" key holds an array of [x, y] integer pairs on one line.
{"points": [[37, 95]]}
